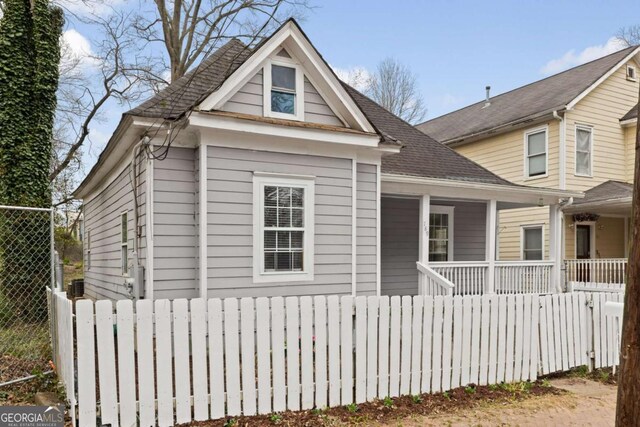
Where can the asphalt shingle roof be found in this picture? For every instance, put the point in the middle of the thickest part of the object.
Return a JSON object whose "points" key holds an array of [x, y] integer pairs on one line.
{"points": [[608, 190], [631, 114], [527, 102]]}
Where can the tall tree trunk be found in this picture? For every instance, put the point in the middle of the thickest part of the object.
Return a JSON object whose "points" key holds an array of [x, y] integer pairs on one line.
{"points": [[628, 410]]}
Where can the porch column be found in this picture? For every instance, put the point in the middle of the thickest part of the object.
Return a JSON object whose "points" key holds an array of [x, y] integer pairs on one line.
{"points": [[490, 250], [555, 245], [425, 207]]}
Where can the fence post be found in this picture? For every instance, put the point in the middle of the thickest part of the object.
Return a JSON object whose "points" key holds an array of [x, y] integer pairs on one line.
{"points": [[590, 331]]}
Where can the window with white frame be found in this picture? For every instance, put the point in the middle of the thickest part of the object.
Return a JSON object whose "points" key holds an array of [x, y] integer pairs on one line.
{"points": [[536, 153], [124, 243], [88, 240], [631, 73], [532, 242], [441, 233], [584, 144], [284, 89], [283, 228]]}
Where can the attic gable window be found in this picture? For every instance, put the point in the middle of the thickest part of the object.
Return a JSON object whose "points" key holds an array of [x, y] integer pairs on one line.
{"points": [[283, 89]]}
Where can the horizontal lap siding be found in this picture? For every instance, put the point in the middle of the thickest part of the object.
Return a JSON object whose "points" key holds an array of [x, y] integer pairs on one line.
{"points": [[316, 109], [230, 222], [509, 231], [400, 234], [630, 151], [469, 230], [104, 279], [248, 100], [602, 109], [175, 231], [366, 229], [609, 235]]}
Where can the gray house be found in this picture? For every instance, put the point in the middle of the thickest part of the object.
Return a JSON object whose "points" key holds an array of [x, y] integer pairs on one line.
{"points": [[260, 173]]}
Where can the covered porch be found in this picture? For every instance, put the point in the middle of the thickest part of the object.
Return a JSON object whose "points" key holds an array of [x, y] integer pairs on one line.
{"points": [[597, 238], [440, 238]]}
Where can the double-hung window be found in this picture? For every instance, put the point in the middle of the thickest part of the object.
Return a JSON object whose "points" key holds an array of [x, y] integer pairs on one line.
{"points": [[584, 147], [535, 153], [124, 244], [283, 228], [441, 233], [532, 242], [284, 90], [88, 239]]}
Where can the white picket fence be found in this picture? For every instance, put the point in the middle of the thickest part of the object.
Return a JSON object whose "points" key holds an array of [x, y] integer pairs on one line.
{"points": [[209, 359]]}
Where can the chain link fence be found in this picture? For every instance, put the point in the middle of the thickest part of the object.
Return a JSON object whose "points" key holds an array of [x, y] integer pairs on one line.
{"points": [[26, 269]]}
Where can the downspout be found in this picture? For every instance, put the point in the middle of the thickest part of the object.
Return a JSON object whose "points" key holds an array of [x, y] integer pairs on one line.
{"points": [[135, 287], [562, 154]]}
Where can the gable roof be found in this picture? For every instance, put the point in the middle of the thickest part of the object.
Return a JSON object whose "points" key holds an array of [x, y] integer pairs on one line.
{"points": [[525, 103]]}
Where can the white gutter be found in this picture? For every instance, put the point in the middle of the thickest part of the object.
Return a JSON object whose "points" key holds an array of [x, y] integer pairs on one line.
{"points": [[405, 179], [562, 168]]}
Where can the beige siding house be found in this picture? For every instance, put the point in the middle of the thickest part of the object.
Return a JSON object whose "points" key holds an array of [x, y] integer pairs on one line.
{"points": [[572, 131]]}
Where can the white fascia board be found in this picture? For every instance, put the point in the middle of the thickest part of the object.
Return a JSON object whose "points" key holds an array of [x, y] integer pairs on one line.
{"points": [[402, 184], [629, 122], [211, 121], [292, 38], [604, 77]]}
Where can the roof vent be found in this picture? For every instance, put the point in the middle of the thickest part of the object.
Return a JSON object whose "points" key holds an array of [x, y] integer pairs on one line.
{"points": [[486, 101]]}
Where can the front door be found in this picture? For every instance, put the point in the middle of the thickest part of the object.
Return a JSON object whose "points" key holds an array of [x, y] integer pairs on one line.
{"points": [[583, 251]]}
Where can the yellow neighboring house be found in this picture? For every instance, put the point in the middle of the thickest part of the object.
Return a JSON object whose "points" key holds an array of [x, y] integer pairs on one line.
{"points": [[573, 131]]}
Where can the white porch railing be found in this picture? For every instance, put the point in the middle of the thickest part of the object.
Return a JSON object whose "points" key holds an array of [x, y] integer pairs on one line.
{"points": [[602, 274], [523, 277], [432, 282], [468, 278], [511, 277]]}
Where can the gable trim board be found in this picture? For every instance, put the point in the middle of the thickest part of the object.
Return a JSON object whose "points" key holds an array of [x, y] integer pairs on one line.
{"points": [[604, 77], [318, 72]]}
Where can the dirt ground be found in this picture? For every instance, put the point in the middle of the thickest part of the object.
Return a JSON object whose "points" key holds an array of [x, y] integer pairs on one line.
{"points": [[587, 403]]}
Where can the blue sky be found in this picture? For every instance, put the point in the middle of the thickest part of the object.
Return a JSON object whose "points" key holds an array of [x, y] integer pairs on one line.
{"points": [[456, 48]]}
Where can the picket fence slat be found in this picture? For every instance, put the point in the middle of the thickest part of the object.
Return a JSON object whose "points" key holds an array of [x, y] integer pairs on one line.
{"points": [[86, 364], [164, 371], [216, 358], [181, 360], [247, 353], [263, 349], [306, 351], [199, 358], [171, 362], [146, 365], [126, 363], [106, 365]]}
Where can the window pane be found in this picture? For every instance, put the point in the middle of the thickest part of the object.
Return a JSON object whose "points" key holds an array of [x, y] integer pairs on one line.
{"points": [[270, 239], [269, 261], [297, 197], [284, 196], [270, 196], [283, 102], [297, 218], [533, 238], [533, 255], [297, 261], [283, 77], [296, 239], [437, 257], [284, 217], [583, 161], [583, 139], [537, 165], [283, 239], [124, 256], [270, 217], [283, 261], [536, 143], [123, 224]]}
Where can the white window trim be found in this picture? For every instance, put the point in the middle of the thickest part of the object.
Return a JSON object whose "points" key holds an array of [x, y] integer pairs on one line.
{"points": [[544, 129], [124, 263], [575, 150], [266, 84], [592, 238], [633, 78], [528, 227], [260, 180], [449, 210]]}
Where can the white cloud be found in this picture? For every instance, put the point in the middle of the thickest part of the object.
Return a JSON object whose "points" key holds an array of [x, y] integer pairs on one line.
{"points": [[358, 77], [89, 7], [572, 59], [76, 51]]}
